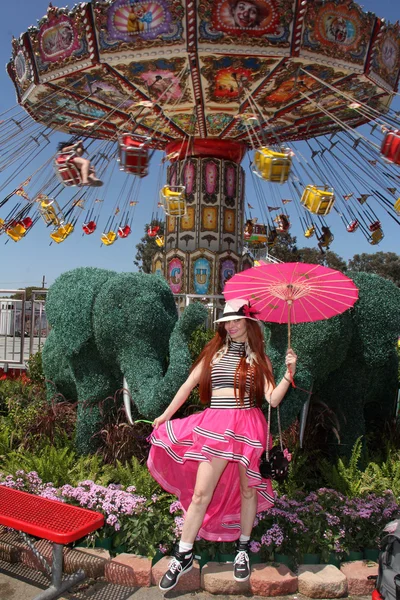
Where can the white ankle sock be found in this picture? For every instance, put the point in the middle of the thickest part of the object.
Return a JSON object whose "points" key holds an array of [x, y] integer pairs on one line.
{"points": [[244, 538], [185, 547]]}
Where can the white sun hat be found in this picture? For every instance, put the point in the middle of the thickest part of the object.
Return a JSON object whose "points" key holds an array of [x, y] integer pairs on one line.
{"points": [[237, 309]]}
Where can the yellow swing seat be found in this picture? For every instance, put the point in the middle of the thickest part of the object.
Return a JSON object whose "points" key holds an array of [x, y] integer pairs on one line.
{"points": [[108, 238], [318, 201], [173, 200], [61, 234], [50, 212], [16, 232], [271, 165], [397, 206], [160, 241], [309, 232], [376, 237]]}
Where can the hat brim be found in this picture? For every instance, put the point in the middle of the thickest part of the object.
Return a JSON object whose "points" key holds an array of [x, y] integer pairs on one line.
{"points": [[234, 318]]}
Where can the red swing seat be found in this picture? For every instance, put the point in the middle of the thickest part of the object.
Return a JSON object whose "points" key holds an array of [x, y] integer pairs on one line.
{"points": [[134, 154], [68, 173]]}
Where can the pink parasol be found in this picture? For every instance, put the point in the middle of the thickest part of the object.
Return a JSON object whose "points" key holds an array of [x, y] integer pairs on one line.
{"points": [[293, 292]]}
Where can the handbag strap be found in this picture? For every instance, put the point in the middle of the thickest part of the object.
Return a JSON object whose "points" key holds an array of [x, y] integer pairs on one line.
{"points": [[278, 414]]}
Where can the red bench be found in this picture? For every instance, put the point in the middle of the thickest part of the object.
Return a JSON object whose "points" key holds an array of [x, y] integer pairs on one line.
{"points": [[52, 520]]}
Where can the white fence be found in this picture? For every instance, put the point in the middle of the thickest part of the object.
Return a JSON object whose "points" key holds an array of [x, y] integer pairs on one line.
{"points": [[23, 326]]}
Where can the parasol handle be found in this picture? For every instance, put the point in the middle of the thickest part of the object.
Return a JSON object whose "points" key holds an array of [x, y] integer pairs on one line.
{"points": [[289, 303]]}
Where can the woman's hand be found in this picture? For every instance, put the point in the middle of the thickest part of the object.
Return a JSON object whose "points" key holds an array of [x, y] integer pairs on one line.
{"points": [[159, 421], [291, 361]]}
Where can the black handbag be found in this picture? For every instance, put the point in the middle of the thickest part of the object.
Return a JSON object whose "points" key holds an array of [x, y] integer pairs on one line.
{"points": [[275, 463]]}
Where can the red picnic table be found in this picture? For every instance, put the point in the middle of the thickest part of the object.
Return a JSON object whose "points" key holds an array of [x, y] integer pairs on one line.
{"points": [[52, 520]]}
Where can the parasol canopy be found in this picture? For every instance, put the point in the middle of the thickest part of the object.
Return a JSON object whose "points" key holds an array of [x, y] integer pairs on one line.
{"points": [[293, 292]]}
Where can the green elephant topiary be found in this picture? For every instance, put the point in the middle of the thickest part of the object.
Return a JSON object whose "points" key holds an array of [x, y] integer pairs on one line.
{"points": [[106, 326], [350, 361]]}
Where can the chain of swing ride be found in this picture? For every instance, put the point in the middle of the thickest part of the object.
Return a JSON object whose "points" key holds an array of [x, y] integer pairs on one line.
{"points": [[331, 161]]}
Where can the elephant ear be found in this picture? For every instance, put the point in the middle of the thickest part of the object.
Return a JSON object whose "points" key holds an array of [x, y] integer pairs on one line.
{"points": [[377, 317], [69, 306]]}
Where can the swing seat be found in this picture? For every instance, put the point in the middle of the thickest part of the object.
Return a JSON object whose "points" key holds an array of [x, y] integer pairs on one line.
{"points": [[108, 238], [272, 238], [390, 148], [374, 226], [317, 200], [89, 227], [173, 200], [351, 227], [397, 206], [152, 231], [259, 234], [27, 222], [61, 234], [50, 211], [271, 165], [326, 240], [309, 232], [375, 237], [134, 154], [282, 223], [160, 241], [67, 172], [123, 232], [16, 231]]}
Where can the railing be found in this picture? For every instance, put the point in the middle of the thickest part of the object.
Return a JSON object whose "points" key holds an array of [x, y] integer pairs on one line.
{"points": [[23, 326], [214, 305]]}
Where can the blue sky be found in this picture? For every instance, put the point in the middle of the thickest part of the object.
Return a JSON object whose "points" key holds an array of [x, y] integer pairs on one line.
{"points": [[25, 263]]}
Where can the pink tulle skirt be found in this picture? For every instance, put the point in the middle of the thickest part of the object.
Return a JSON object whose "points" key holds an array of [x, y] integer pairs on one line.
{"points": [[236, 435]]}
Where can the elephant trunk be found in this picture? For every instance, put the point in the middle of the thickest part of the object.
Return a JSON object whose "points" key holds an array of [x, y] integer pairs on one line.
{"points": [[145, 383]]}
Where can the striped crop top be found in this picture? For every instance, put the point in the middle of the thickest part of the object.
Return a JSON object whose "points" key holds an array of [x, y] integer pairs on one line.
{"points": [[223, 372]]}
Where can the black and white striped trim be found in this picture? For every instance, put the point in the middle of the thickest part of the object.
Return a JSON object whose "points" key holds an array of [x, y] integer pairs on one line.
{"points": [[172, 436], [210, 434], [167, 449], [242, 438]]}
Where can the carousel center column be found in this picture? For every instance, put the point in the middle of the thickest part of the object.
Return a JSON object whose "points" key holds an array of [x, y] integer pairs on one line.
{"points": [[203, 248]]}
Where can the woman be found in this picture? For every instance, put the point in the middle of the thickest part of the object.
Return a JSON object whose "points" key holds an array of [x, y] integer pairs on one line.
{"points": [[86, 170], [210, 460]]}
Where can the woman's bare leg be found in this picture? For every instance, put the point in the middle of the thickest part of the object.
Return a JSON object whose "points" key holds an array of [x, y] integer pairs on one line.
{"points": [[83, 165], [208, 475], [248, 508]]}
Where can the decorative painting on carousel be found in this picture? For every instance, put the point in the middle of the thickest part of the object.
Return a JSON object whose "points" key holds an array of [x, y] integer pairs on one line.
{"points": [[165, 81], [216, 123], [247, 22], [338, 29], [292, 83], [171, 224], [229, 221], [231, 78], [386, 56], [185, 121], [21, 70], [158, 266], [189, 178], [201, 275], [60, 39], [209, 218], [230, 183], [187, 222], [175, 275], [143, 23], [227, 269], [102, 88], [210, 171]]}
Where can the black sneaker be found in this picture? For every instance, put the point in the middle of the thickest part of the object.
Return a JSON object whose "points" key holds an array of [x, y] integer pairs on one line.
{"points": [[241, 564], [182, 562]]}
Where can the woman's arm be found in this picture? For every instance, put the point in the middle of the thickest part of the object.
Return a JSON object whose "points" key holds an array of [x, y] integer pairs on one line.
{"points": [[275, 395], [180, 397]]}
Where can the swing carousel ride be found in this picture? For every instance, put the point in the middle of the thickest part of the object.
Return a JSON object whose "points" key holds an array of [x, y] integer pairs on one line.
{"points": [[208, 83]]}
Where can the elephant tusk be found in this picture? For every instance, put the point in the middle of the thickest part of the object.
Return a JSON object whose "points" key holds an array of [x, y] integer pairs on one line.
{"points": [[127, 400]]}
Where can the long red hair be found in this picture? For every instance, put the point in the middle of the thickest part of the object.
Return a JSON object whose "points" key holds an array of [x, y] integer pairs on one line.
{"points": [[259, 371]]}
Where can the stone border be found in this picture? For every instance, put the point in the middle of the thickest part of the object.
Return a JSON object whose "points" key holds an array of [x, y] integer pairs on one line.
{"points": [[268, 580]]}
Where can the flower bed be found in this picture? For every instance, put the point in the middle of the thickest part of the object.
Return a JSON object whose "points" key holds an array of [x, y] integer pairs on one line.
{"points": [[323, 522]]}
